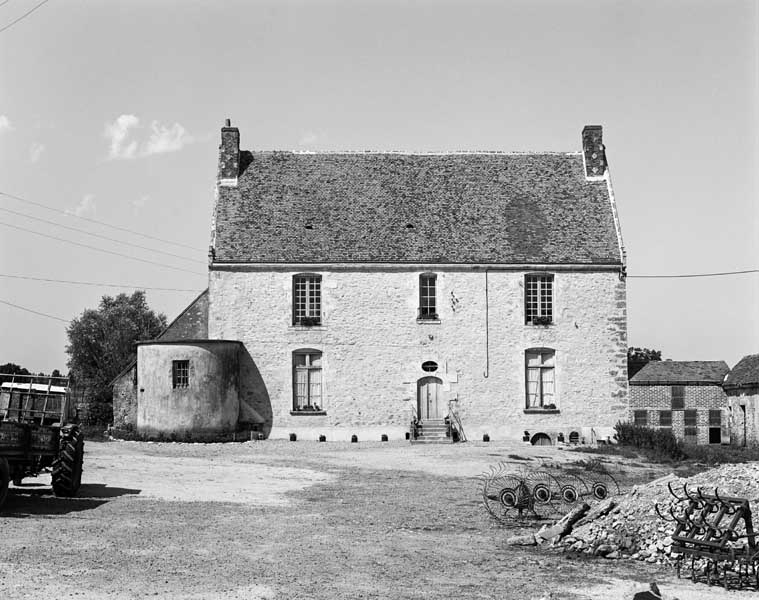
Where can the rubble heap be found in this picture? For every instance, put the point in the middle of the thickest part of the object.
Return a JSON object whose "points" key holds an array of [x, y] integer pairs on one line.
{"points": [[628, 526]]}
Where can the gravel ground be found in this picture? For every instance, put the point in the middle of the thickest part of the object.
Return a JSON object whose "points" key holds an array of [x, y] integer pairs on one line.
{"points": [[288, 520]]}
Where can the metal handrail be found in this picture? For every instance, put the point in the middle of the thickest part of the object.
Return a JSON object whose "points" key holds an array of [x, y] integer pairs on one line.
{"points": [[456, 421], [414, 422]]}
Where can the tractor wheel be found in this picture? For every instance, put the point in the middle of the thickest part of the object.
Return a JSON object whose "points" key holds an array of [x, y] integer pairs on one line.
{"points": [[5, 477], [67, 466]]}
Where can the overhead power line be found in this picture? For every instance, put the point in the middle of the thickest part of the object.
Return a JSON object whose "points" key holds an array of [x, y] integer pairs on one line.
{"points": [[693, 275], [36, 312], [95, 284], [102, 237], [103, 223], [4, 2], [22, 17], [142, 260]]}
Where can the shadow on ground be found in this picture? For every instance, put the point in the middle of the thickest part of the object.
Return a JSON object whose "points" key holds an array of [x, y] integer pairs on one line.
{"points": [[34, 499]]}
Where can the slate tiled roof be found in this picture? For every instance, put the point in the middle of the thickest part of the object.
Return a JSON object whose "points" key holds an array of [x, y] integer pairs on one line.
{"points": [[745, 373], [415, 208], [681, 372]]}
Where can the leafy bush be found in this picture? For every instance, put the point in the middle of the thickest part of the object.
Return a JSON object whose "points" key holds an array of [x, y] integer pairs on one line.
{"points": [[660, 443]]}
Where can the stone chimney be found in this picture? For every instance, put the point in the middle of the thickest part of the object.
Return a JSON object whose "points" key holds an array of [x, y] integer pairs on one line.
{"points": [[593, 152], [229, 155]]}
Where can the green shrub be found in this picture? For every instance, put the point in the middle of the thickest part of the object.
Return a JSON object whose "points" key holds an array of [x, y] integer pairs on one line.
{"points": [[657, 443]]}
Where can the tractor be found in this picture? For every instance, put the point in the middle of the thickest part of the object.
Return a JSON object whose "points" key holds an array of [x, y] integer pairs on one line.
{"points": [[39, 431]]}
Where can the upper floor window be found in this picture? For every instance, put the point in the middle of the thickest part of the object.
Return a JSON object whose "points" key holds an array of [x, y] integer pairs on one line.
{"points": [[678, 397], [307, 380], [539, 363], [180, 373], [427, 296], [538, 299], [307, 299]]}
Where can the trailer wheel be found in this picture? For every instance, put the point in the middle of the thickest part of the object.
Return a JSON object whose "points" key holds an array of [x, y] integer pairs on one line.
{"points": [[67, 466], [5, 477]]}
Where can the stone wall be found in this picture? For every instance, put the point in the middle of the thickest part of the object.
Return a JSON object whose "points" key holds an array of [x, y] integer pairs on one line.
{"points": [[373, 347], [125, 399], [702, 398], [744, 416]]}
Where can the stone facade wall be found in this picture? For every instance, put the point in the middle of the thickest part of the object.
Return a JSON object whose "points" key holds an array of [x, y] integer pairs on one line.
{"points": [[373, 347], [744, 416], [655, 398], [207, 406], [125, 399]]}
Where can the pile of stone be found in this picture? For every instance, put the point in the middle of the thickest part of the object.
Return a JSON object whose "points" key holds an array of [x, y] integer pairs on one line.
{"points": [[628, 526]]}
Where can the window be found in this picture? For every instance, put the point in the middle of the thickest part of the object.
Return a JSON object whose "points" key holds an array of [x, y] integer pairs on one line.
{"points": [[538, 299], [640, 417], [715, 418], [678, 397], [691, 418], [539, 364], [180, 373], [307, 300], [691, 435], [427, 303], [665, 418], [307, 380]]}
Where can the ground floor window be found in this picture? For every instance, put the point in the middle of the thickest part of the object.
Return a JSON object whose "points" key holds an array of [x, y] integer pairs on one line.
{"points": [[665, 418], [715, 426], [539, 363], [180, 373], [307, 380], [640, 418]]}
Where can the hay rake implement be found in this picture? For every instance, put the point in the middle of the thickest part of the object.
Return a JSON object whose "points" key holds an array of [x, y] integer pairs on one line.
{"points": [[717, 534], [541, 493]]}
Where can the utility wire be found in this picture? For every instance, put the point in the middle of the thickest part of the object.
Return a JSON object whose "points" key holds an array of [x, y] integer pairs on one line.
{"points": [[4, 2], [693, 275], [22, 17], [102, 237], [142, 260], [36, 312], [92, 283], [63, 212]]}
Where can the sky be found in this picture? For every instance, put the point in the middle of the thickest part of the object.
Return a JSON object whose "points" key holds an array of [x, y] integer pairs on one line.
{"points": [[111, 111]]}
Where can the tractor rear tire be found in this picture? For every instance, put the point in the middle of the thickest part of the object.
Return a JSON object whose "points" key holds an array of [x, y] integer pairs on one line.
{"points": [[5, 477], [67, 466]]}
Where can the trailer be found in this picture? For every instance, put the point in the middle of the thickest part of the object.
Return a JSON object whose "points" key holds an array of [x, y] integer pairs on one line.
{"points": [[39, 431]]}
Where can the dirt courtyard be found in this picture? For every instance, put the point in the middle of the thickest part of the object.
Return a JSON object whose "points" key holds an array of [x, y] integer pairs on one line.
{"points": [[276, 519]]}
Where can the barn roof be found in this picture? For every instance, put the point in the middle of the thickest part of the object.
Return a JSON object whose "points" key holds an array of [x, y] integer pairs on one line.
{"points": [[745, 373], [681, 372], [446, 208]]}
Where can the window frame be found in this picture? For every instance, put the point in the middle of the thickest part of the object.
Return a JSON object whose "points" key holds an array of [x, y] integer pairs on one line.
{"points": [[427, 310], [665, 422], [640, 417], [307, 313], [538, 311], [540, 395], [180, 374], [680, 396], [690, 417], [310, 407]]}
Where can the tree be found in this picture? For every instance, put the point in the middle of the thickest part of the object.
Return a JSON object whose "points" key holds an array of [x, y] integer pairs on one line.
{"points": [[11, 369], [102, 340], [637, 358]]}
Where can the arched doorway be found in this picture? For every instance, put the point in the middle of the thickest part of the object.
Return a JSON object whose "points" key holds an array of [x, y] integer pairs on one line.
{"points": [[541, 439], [430, 402]]}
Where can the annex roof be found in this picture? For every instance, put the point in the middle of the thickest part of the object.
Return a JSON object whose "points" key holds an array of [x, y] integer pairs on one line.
{"points": [[438, 208], [681, 372], [745, 373], [35, 387]]}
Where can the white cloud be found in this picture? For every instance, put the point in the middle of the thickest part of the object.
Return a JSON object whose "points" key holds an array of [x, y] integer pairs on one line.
{"points": [[86, 208], [162, 138], [166, 139], [5, 124], [35, 151], [117, 133]]}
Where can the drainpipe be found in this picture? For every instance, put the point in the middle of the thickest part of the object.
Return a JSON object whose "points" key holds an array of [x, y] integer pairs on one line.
{"points": [[486, 374]]}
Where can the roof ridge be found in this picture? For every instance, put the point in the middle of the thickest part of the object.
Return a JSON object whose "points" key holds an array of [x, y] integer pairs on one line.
{"points": [[421, 152]]}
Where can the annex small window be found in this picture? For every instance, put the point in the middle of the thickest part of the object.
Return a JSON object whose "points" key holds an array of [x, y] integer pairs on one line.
{"points": [[307, 380], [429, 366], [640, 418], [678, 397], [538, 299], [427, 297], [180, 373], [307, 300], [539, 366], [665, 418]]}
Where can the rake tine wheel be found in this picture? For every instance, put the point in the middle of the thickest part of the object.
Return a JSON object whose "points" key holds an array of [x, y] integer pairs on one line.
{"points": [[661, 516], [671, 491]]}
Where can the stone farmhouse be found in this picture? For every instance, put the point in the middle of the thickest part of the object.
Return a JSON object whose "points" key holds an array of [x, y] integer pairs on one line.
{"points": [[742, 389], [685, 397], [358, 293]]}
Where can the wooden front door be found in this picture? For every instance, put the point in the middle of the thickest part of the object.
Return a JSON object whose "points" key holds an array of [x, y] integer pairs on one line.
{"points": [[430, 403]]}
